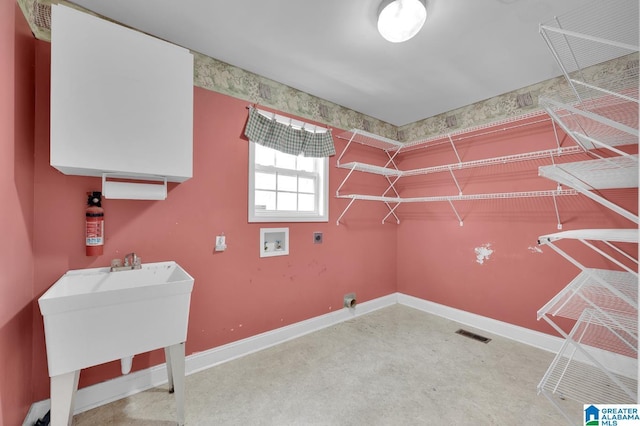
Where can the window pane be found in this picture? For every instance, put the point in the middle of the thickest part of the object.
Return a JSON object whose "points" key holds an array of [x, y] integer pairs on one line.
{"points": [[286, 187], [307, 164], [265, 156], [306, 185], [285, 161], [287, 183], [265, 200], [306, 203], [265, 181], [286, 201]]}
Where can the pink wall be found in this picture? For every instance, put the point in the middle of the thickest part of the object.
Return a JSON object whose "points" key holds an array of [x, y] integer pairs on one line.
{"points": [[236, 294], [16, 212], [436, 256]]}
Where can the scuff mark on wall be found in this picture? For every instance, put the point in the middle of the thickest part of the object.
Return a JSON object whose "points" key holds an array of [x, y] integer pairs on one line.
{"points": [[483, 252], [535, 249]]}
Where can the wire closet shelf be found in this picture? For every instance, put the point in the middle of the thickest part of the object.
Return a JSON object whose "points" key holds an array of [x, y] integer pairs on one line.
{"points": [[577, 373], [596, 33], [596, 47], [392, 173], [598, 359]]}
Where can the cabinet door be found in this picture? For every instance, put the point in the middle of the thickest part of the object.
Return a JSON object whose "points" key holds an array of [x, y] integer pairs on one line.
{"points": [[121, 101]]}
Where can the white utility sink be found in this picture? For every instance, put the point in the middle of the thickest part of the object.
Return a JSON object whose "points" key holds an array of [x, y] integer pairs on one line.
{"points": [[92, 316]]}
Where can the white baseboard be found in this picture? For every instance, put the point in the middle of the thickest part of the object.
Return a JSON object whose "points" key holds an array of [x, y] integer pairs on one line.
{"points": [[615, 363], [36, 412], [203, 360], [524, 335], [130, 384], [123, 386]]}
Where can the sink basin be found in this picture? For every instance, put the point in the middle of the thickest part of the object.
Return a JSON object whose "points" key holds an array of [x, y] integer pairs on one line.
{"points": [[92, 316]]}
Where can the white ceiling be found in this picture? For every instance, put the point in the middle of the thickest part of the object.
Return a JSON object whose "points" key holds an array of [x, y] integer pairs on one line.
{"points": [[468, 51]]}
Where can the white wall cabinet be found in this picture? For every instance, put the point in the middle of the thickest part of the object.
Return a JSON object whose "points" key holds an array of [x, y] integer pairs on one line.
{"points": [[121, 101]]}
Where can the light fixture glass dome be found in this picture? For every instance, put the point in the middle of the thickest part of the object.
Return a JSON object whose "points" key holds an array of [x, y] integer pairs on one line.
{"points": [[400, 20]]}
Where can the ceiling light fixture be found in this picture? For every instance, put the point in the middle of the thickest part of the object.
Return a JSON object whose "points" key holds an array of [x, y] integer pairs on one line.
{"points": [[400, 20]]}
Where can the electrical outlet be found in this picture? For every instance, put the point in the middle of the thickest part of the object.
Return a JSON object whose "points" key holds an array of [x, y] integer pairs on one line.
{"points": [[221, 243], [317, 238]]}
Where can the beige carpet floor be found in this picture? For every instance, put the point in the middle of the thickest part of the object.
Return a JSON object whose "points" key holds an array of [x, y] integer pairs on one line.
{"points": [[394, 366]]}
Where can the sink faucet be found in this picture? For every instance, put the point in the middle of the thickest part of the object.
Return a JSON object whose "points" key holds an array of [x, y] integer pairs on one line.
{"points": [[131, 261]]}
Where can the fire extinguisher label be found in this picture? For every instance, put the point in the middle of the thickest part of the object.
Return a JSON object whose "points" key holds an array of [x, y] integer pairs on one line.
{"points": [[95, 233]]}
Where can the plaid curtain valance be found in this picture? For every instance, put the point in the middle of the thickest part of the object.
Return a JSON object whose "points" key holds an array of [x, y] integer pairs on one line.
{"points": [[285, 138]]}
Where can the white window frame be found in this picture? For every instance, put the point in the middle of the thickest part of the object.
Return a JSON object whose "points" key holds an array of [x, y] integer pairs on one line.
{"points": [[322, 195]]}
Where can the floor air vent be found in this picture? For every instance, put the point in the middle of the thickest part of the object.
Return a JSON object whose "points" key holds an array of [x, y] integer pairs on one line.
{"points": [[474, 336]]}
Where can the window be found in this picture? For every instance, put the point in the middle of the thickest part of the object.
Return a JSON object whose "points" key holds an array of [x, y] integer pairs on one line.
{"points": [[285, 187]]}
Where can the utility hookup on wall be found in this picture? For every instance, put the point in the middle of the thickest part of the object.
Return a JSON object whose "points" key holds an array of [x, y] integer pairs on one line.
{"points": [[221, 243], [349, 300], [274, 242]]}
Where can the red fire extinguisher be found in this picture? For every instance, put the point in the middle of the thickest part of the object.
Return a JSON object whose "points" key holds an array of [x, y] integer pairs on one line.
{"points": [[94, 225]]}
